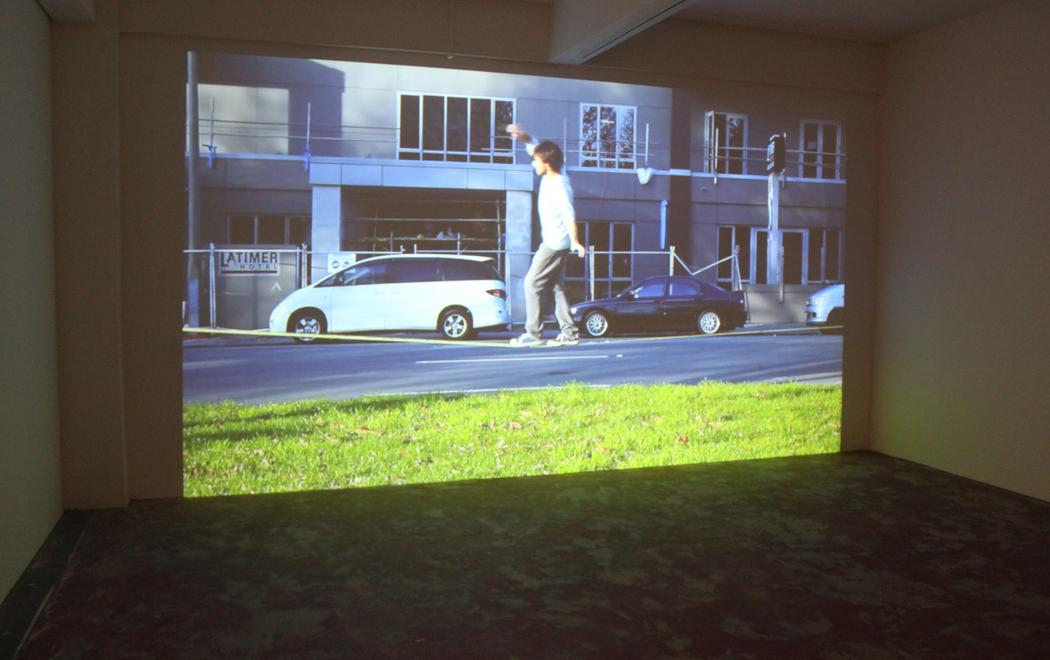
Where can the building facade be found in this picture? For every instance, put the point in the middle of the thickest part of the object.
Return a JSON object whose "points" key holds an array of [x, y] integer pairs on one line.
{"points": [[351, 159]]}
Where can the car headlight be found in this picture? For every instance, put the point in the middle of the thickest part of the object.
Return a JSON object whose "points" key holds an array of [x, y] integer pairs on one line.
{"points": [[573, 309]]}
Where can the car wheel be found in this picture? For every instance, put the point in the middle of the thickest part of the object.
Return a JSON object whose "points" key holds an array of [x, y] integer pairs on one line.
{"points": [[596, 324], [709, 322], [306, 324], [834, 318], [455, 323]]}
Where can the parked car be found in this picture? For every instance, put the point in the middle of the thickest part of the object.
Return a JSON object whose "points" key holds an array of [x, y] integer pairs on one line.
{"points": [[827, 307], [664, 303], [455, 295]]}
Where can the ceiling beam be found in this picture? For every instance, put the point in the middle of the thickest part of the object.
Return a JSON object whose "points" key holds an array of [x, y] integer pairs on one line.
{"points": [[69, 11], [581, 29]]}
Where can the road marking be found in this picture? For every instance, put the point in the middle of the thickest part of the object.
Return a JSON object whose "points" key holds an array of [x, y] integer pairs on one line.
{"points": [[493, 390], [519, 359]]}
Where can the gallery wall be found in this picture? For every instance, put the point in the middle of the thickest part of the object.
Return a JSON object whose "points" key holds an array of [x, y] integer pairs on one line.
{"points": [[961, 375], [30, 479]]}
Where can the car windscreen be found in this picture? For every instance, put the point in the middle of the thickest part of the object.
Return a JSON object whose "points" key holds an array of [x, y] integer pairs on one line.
{"points": [[462, 269]]}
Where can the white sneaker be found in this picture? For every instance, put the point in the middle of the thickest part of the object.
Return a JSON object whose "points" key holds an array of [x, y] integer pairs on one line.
{"points": [[563, 340], [526, 340]]}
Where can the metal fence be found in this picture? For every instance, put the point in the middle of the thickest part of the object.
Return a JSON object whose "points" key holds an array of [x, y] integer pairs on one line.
{"points": [[250, 289]]}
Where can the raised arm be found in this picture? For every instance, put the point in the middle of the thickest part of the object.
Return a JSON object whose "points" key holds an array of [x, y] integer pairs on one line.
{"points": [[518, 132]]}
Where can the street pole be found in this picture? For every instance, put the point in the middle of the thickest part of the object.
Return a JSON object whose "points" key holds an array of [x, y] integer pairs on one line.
{"points": [[774, 252], [193, 219]]}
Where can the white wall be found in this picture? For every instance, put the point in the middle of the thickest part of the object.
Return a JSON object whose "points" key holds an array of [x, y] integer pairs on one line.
{"points": [[30, 488], [962, 369]]}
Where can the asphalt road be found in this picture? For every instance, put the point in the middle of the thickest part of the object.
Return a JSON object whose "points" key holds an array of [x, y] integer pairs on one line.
{"points": [[271, 370]]}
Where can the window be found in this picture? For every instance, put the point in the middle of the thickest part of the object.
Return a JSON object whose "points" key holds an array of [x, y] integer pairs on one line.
{"points": [[683, 288], [455, 129], [404, 271], [793, 243], [258, 229], [651, 289], [738, 236], [794, 247], [460, 269], [725, 140], [370, 273], [607, 135], [820, 150], [373, 273], [825, 255], [612, 272]]}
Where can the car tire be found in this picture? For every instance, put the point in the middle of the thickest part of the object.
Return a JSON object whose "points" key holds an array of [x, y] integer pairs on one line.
{"points": [[708, 322], [834, 318], [596, 324], [455, 324], [307, 322]]}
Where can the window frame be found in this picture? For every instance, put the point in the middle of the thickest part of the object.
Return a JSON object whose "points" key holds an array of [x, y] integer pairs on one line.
{"points": [[287, 220], [711, 154], [469, 155], [841, 261], [755, 231], [597, 158], [746, 269], [839, 152]]}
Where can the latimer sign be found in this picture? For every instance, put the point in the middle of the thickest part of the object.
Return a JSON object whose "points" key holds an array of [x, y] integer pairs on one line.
{"points": [[249, 261]]}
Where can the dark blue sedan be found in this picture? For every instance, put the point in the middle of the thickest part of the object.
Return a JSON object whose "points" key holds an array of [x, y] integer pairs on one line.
{"points": [[664, 303]]}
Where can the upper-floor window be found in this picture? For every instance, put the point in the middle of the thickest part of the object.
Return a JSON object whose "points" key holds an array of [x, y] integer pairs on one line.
{"points": [[455, 128], [607, 135], [820, 150], [725, 143]]}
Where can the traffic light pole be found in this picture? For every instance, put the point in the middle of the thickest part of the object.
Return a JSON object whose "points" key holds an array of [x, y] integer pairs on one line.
{"points": [[774, 251], [775, 162]]}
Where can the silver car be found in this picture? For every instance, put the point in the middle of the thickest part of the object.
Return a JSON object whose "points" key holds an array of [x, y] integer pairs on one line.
{"points": [[827, 307]]}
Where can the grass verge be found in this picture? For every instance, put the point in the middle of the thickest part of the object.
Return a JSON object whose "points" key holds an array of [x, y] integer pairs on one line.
{"points": [[307, 445]]}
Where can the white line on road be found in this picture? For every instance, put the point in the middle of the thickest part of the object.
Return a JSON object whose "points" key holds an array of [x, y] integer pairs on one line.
{"points": [[520, 359], [494, 390]]}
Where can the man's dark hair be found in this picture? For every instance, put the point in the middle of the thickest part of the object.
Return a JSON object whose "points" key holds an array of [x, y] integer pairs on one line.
{"points": [[550, 153]]}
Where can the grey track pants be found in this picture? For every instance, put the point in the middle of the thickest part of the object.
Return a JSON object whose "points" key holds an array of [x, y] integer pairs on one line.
{"points": [[547, 273]]}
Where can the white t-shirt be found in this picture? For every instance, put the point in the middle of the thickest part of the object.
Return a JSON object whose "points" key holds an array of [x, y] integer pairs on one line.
{"points": [[555, 207]]}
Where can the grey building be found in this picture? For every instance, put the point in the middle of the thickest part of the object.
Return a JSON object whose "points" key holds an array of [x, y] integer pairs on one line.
{"points": [[351, 159]]}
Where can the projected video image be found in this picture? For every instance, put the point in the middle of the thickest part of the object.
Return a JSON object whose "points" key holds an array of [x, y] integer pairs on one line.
{"points": [[400, 274]]}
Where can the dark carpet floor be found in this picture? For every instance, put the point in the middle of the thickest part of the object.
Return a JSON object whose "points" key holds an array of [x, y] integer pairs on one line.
{"points": [[839, 556]]}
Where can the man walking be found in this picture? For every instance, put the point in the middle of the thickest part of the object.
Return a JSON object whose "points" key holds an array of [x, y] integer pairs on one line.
{"points": [[558, 230]]}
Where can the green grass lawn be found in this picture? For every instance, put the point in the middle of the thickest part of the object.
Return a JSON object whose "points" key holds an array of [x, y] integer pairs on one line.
{"points": [[231, 448]]}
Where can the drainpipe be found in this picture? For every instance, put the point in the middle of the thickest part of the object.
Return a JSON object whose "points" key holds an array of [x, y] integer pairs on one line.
{"points": [[663, 225]]}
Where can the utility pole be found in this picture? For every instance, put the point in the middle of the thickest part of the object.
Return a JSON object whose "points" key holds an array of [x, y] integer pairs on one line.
{"points": [[775, 162], [193, 198]]}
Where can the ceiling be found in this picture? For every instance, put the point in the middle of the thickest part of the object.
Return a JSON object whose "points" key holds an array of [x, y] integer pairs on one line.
{"points": [[871, 21], [581, 29]]}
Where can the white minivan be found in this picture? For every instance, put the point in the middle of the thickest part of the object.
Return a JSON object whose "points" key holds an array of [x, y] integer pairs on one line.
{"points": [[456, 295]]}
